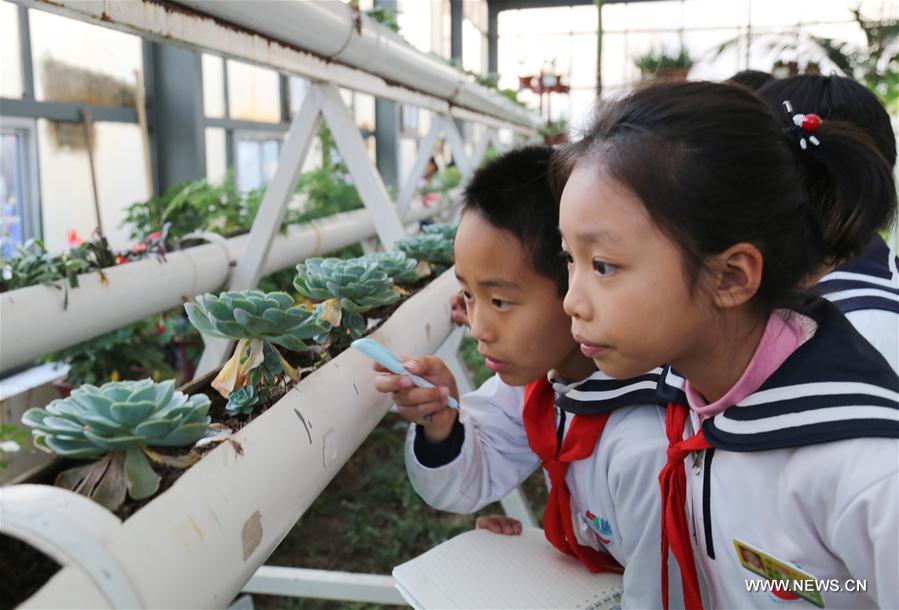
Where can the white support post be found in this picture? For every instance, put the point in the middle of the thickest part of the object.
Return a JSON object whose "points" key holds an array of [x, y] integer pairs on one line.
{"points": [[480, 148], [365, 176], [268, 219], [425, 150], [458, 146], [324, 584], [516, 505]]}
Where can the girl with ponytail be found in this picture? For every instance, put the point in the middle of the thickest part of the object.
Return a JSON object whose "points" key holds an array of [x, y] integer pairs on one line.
{"points": [[861, 272], [690, 219]]}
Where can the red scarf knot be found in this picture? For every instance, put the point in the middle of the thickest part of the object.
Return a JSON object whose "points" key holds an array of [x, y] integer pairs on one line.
{"points": [[579, 443]]}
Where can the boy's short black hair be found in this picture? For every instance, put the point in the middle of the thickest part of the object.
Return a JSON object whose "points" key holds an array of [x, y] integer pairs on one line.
{"points": [[513, 193]]}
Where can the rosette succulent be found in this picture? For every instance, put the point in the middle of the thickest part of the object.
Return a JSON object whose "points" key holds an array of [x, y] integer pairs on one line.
{"points": [[400, 268], [258, 321], [118, 422], [435, 248], [348, 287], [446, 230]]}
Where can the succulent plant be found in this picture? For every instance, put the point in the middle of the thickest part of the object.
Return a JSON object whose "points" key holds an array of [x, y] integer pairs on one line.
{"points": [[119, 422], [252, 314], [400, 268], [446, 230], [259, 321], [435, 248], [351, 286]]}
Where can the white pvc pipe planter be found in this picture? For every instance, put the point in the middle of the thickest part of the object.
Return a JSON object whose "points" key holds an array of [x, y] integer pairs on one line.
{"points": [[200, 541], [33, 321]]}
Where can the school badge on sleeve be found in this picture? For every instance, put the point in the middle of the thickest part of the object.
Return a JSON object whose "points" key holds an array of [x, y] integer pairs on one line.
{"points": [[600, 527], [784, 581]]}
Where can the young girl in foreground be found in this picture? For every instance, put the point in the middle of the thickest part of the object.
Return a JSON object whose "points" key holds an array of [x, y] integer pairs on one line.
{"points": [[687, 225]]}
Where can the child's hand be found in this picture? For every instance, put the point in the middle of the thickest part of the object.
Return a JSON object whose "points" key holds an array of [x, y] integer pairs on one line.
{"points": [[458, 310], [423, 406], [499, 524]]}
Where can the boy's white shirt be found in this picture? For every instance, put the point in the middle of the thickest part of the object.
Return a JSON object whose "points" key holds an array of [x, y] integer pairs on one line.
{"points": [[842, 527], [618, 483]]}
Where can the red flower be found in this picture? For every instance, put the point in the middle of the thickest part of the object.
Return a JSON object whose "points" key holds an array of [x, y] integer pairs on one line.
{"points": [[160, 328], [139, 247], [154, 236], [120, 260], [73, 238]]}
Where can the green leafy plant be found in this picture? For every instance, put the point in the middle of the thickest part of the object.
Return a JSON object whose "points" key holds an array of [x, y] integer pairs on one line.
{"points": [[131, 352], [328, 189], [444, 181], [33, 264], [874, 63], [258, 321], [659, 60], [400, 268], [119, 422], [384, 16], [554, 132], [347, 288], [12, 439]]}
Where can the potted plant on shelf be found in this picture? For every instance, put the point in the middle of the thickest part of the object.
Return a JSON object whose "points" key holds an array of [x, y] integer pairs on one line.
{"points": [[664, 65]]}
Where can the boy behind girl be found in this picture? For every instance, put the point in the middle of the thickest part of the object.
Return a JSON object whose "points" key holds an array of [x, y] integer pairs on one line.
{"points": [[601, 447]]}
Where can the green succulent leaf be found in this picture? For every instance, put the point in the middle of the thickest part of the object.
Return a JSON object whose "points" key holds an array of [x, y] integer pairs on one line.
{"points": [[120, 415], [142, 480]]}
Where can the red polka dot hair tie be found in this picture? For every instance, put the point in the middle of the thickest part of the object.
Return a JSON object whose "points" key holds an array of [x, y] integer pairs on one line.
{"points": [[806, 126]]}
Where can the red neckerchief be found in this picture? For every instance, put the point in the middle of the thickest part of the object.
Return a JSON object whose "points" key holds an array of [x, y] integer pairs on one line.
{"points": [[673, 482], [579, 443]]}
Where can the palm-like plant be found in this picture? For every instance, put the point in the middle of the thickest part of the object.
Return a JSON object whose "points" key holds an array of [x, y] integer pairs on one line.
{"points": [[876, 63], [118, 422], [258, 321]]}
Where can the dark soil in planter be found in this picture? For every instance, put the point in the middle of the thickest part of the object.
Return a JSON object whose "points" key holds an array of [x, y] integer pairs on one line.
{"points": [[25, 570]]}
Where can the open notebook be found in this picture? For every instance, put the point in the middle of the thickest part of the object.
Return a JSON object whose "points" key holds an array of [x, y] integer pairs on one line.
{"points": [[480, 569]]}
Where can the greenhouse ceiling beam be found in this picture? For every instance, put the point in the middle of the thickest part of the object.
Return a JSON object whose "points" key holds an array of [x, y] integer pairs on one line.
{"points": [[170, 23], [65, 111]]}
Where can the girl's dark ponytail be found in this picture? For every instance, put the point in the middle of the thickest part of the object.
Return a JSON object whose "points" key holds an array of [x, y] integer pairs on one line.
{"points": [[849, 185]]}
